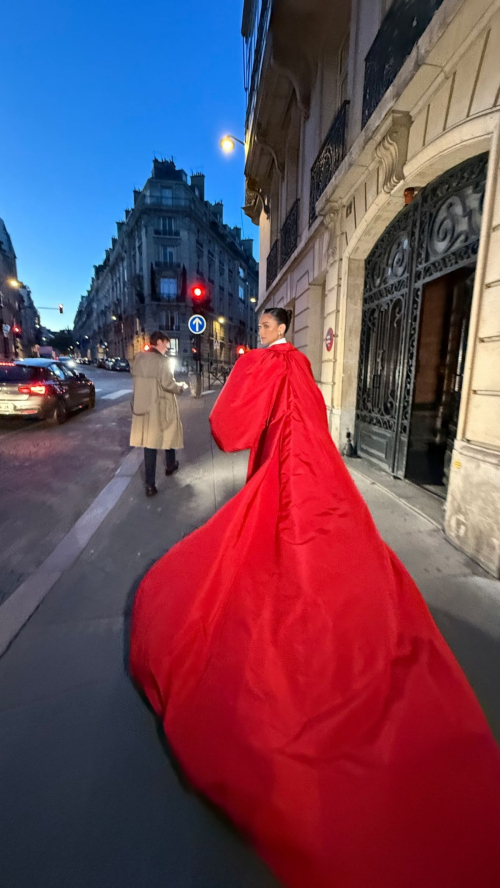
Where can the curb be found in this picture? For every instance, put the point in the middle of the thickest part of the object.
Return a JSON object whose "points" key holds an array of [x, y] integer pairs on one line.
{"points": [[21, 605]]}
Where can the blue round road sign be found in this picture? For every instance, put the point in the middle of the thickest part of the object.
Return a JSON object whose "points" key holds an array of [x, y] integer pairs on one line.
{"points": [[197, 324]]}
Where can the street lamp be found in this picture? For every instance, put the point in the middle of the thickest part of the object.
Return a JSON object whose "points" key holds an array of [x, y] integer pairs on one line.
{"points": [[221, 320], [13, 282], [227, 143], [253, 299]]}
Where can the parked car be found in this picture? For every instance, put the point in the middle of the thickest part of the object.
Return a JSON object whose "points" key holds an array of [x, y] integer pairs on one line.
{"points": [[121, 365], [108, 364], [42, 388], [101, 362]]}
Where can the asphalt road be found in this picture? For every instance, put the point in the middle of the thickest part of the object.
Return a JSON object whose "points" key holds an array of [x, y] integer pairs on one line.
{"points": [[50, 475]]}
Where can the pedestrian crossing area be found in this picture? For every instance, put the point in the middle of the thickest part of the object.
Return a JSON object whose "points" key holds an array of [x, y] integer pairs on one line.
{"points": [[112, 396]]}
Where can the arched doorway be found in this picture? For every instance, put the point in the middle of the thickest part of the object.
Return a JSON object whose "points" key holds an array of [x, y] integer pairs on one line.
{"points": [[416, 306]]}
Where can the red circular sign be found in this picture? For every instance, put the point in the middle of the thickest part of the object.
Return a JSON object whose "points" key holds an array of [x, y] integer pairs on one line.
{"points": [[329, 339]]}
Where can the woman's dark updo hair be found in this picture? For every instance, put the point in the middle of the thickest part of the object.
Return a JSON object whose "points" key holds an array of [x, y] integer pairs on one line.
{"points": [[280, 315]]}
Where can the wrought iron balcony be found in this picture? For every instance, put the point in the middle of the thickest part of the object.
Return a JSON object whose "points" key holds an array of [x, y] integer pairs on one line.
{"points": [[289, 234], [254, 47], [329, 158], [272, 263], [400, 30]]}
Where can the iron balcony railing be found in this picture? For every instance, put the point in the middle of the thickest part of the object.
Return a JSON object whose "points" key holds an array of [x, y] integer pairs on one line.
{"points": [[329, 158], [254, 47], [401, 28], [289, 234], [272, 263]]}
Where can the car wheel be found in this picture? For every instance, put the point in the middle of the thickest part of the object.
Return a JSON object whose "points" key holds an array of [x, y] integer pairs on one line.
{"points": [[59, 414]]}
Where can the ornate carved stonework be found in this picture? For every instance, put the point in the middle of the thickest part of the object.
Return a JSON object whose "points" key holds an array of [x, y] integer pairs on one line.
{"points": [[392, 150], [330, 219], [255, 201]]}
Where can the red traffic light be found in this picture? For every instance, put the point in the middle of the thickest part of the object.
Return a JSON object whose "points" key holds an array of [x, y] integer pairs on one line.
{"points": [[241, 350], [198, 292], [16, 331]]}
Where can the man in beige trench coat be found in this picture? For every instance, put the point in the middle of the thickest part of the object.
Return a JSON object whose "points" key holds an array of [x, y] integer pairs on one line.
{"points": [[156, 423]]}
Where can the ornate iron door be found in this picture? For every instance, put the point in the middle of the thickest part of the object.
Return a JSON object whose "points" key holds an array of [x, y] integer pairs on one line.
{"points": [[437, 233]]}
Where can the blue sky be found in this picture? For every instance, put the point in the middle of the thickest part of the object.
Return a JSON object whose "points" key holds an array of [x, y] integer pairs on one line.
{"points": [[91, 92]]}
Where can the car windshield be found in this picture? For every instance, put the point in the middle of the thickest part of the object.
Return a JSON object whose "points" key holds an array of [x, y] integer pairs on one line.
{"points": [[19, 373]]}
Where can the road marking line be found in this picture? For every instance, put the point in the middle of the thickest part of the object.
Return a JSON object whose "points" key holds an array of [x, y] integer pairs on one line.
{"points": [[23, 602], [119, 394], [98, 390]]}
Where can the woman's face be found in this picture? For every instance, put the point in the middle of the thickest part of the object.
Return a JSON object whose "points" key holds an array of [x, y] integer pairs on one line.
{"points": [[270, 330]]}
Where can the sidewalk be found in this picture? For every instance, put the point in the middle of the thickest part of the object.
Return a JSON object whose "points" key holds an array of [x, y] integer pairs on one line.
{"points": [[89, 799]]}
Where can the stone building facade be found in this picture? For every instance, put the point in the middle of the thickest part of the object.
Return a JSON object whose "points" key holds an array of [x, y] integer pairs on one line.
{"points": [[373, 149], [170, 240], [19, 320]]}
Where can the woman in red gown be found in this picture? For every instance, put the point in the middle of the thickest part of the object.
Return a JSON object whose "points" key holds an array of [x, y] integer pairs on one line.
{"points": [[301, 681]]}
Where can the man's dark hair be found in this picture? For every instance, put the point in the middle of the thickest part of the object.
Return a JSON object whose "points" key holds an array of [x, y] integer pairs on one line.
{"points": [[157, 337]]}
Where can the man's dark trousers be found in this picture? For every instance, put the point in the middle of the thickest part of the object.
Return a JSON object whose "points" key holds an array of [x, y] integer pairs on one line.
{"points": [[150, 463]]}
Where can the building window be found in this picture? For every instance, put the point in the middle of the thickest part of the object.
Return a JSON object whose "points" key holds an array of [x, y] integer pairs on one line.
{"points": [[165, 225], [168, 288], [241, 292], [242, 273], [165, 255], [173, 348], [167, 197], [169, 320]]}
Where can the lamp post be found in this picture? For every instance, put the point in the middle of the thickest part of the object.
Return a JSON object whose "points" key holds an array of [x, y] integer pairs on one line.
{"points": [[228, 141]]}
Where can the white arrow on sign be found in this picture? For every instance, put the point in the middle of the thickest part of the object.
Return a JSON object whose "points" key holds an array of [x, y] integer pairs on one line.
{"points": [[197, 324]]}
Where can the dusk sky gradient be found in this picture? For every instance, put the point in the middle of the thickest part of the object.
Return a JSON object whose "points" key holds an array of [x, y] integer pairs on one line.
{"points": [[91, 92]]}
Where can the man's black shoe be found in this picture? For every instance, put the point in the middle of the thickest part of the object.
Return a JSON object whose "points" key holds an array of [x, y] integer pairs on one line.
{"points": [[172, 469], [151, 490]]}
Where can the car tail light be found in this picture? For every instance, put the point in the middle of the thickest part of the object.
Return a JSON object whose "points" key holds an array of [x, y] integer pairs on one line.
{"points": [[32, 389]]}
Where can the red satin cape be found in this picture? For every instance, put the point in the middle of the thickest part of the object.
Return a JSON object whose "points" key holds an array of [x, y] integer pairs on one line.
{"points": [[301, 680]]}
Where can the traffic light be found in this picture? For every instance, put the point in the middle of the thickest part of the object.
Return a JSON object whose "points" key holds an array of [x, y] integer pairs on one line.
{"points": [[241, 350], [195, 348], [16, 331], [61, 308], [198, 292]]}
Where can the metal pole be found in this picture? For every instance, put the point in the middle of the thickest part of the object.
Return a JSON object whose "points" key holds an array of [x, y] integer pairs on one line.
{"points": [[199, 381]]}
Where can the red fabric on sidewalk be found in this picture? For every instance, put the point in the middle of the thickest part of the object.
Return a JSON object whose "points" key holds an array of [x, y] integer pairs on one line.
{"points": [[301, 680]]}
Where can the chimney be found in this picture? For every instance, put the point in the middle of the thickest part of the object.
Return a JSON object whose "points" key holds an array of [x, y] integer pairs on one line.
{"points": [[236, 232], [137, 195], [218, 211], [247, 245], [198, 185], [119, 226]]}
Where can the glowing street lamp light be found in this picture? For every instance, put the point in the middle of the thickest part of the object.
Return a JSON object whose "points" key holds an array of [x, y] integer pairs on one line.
{"points": [[12, 282], [253, 299], [221, 320], [228, 145]]}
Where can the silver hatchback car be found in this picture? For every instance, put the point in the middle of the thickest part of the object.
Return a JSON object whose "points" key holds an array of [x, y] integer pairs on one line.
{"points": [[42, 388]]}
